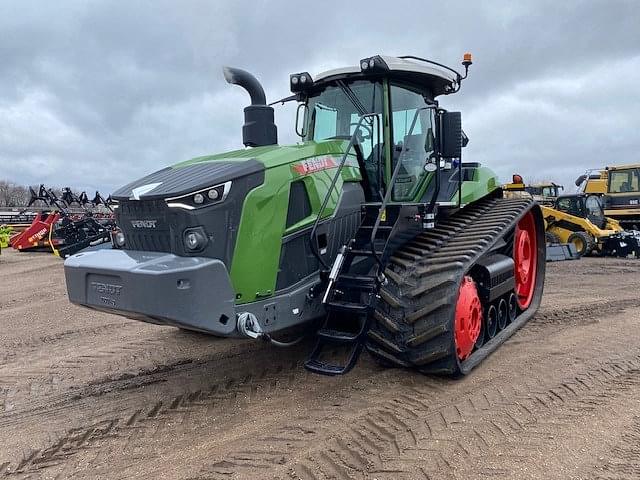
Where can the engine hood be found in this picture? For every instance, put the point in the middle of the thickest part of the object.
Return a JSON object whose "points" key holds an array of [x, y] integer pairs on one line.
{"points": [[174, 181], [202, 172]]}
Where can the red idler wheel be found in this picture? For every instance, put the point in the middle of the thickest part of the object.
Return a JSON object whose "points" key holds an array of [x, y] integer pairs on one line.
{"points": [[468, 318], [525, 258]]}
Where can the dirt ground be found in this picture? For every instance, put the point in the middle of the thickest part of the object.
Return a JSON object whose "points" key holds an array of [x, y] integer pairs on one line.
{"points": [[91, 395]]}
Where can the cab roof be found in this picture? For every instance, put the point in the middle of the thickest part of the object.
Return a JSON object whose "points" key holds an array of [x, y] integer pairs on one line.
{"points": [[438, 78], [623, 167]]}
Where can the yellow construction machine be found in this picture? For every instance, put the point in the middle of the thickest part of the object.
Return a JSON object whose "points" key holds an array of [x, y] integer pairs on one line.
{"points": [[580, 219], [545, 193], [619, 187]]}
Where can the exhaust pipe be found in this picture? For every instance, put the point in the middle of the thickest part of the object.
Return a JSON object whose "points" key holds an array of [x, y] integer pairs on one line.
{"points": [[259, 128]]}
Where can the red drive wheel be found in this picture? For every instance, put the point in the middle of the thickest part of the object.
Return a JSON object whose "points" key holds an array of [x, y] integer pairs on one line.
{"points": [[468, 318], [525, 258]]}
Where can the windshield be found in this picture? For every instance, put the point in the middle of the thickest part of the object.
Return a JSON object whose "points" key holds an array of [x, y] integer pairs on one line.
{"points": [[413, 139], [623, 181], [595, 210], [335, 113]]}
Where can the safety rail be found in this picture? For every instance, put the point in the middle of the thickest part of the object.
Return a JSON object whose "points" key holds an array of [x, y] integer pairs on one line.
{"points": [[352, 142], [389, 192]]}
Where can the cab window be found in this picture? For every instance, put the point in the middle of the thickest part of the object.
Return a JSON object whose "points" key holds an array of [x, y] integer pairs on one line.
{"points": [[334, 113], [623, 181], [564, 204], [413, 139], [571, 205], [593, 205]]}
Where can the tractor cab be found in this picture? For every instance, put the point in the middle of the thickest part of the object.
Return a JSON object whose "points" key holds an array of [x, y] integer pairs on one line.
{"points": [[622, 200], [387, 107], [583, 206], [545, 193]]}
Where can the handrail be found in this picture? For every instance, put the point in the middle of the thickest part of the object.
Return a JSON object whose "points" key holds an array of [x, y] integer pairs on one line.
{"points": [[459, 76], [391, 185], [352, 142]]}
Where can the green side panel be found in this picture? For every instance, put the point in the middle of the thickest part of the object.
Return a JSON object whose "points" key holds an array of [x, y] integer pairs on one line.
{"points": [[275, 155], [256, 258], [257, 250], [484, 182]]}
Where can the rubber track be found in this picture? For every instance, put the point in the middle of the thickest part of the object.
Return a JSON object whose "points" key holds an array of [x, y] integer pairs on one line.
{"points": [[413, 320]]}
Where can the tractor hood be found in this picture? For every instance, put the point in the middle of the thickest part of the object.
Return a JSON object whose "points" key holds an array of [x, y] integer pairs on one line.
{"points": [[203, 172]]}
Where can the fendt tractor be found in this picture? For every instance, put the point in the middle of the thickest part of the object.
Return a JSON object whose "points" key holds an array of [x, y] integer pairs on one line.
{"points": [[369, 233], [620, 188]]}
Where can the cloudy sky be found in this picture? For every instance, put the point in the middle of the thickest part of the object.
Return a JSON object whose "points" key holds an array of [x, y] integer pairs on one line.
{"points": [[94, 94]]}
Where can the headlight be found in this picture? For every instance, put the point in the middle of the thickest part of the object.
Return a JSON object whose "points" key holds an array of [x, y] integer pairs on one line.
{"points": [[201, 198], [117, 239], [195, 239]]}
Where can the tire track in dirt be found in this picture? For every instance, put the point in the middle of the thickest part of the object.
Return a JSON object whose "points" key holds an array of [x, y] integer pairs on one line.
{"points": [[250, 381], [219, 396], [25, 348], [414, 434], [583, 314], [623, 460], [379, 426], [408, 438], [26, 382], [134, 427]]}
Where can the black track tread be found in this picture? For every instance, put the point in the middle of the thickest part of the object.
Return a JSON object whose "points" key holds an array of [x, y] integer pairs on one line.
{"points": [[413, 321]]}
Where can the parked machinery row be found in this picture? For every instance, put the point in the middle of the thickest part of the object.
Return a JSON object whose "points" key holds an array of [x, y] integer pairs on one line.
{"points": [[67, 224]]}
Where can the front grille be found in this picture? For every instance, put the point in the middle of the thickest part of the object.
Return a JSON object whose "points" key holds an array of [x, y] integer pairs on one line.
{"points": [[147, 242], [141, 212]]}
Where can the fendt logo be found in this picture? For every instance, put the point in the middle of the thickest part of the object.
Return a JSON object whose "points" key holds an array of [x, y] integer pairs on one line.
{"points": [[107, 288], [144, 223]]}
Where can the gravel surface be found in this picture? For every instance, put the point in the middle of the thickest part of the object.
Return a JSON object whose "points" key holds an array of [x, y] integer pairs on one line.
{"points": [[91, 395]]}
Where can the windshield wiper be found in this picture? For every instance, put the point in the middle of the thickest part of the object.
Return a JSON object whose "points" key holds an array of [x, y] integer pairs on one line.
{"points": [[352, 98]]}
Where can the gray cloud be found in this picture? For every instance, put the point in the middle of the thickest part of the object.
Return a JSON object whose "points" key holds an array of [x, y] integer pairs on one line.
{"points": [[94, 94]]}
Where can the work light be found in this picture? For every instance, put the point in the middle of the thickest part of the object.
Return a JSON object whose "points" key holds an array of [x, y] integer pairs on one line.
{"points": [[300, 81]]}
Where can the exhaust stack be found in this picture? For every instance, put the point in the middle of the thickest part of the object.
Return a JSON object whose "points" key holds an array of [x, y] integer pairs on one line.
{"points": [[259, 128]]}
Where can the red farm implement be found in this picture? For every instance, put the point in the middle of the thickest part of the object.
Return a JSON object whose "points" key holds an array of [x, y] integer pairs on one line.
{"points": [[62, 229]]}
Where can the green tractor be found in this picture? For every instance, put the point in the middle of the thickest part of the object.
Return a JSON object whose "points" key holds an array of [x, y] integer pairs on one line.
{"points": [[370, 233]]}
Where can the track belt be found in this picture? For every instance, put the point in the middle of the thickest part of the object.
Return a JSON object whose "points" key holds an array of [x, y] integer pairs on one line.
{"points": [[414, 316]]}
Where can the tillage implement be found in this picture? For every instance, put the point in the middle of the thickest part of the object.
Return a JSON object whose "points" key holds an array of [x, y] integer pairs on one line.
{"points": [[61, 230], [370, 233]]}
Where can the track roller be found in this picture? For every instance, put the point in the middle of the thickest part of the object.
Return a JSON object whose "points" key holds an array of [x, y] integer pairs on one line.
{"points": [[502, 314], [492, 321]]}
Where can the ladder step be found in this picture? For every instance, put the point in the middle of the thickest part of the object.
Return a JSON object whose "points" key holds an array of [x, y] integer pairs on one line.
{"points": [[338, 336], [357, 252], [313, 364], [380, 227], [362, 282], [316, 366], [346, 306]]}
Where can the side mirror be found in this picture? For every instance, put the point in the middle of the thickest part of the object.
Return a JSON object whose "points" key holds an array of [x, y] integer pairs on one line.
{"points": [[301, 119], [451, 135]]}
